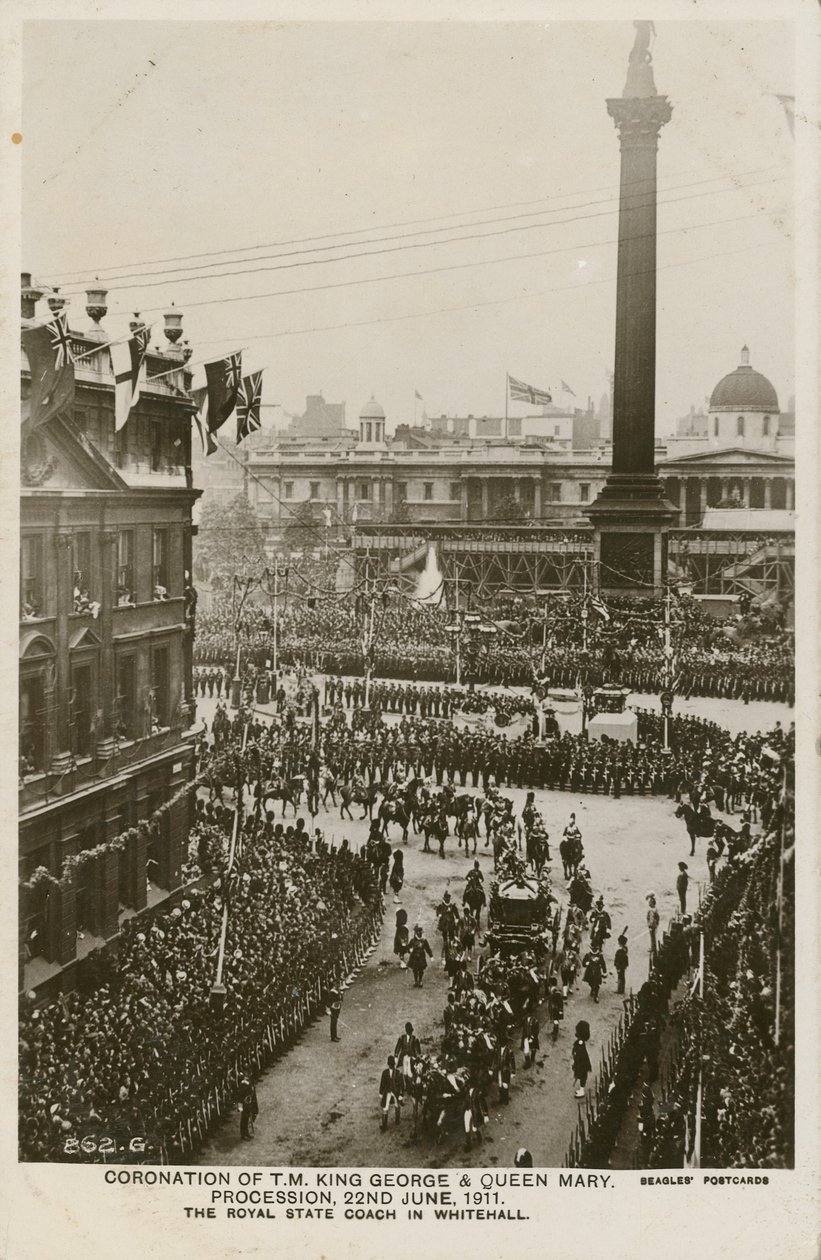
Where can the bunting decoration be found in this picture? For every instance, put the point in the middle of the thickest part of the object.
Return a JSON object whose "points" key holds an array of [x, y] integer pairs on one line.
{"points": [[200, 397], [567, 389], [249, 401], [126, 361], [521, 392], [48, 349], [223, 378]]}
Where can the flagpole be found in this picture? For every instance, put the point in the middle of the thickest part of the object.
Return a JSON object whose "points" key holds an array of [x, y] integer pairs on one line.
{"points": [[507, 396]]}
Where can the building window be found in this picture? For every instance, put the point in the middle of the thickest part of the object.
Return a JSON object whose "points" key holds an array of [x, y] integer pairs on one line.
{"points": [[402, 491], [81, 571], [31, 576], [120, 448], [314, 490], [765, 427], [739, 428], [557, 428], [159, 564], [125, 720], [368, 431], [364, 490], [456, 490], [156, 446], [32, 713], [427, 491], [289, 489], [158, 698], [125, 567], [555, 492], [715, 427], [81, 420], [584, 492], [82, 709]]}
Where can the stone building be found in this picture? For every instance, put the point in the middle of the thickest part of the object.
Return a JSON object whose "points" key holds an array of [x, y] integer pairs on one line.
{"points": [[106, 630], [463, 470]]}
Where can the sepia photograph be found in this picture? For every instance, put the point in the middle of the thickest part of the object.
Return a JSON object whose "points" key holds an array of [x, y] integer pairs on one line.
{"points": [[407, 598]]}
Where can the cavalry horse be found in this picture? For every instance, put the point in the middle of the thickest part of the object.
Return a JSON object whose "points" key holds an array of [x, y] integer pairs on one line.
{"points": [[289, 791], [357, 793], [696, 822]]}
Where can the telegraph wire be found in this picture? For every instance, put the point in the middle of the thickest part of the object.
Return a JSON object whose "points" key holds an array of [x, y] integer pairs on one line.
{"points": [[415, 245], [406, 223], [145, 275]]}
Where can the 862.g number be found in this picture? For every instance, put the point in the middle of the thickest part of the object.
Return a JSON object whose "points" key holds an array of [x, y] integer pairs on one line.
{"points": [[101, 1146]]}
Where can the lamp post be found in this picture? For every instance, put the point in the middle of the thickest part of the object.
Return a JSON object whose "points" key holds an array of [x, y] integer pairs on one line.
{"points": [[279, 572]]}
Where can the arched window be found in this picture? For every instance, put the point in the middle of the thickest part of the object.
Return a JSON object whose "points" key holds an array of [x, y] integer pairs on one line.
{"points": [[740, 426], [765, 427], [715, 427]]}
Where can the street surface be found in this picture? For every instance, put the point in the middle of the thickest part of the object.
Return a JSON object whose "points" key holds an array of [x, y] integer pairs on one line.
{"points": [[319, 1102]]}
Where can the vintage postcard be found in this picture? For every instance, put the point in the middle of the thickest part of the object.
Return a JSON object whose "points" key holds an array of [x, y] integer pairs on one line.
{"points": [[412, 473]]}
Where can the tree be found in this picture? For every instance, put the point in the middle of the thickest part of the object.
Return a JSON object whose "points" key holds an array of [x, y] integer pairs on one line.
{"points": [[509, 509], [229, 541], [303, 528]]}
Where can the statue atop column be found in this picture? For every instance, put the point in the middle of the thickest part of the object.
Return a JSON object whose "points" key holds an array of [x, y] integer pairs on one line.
{"points": [[640, 80]]}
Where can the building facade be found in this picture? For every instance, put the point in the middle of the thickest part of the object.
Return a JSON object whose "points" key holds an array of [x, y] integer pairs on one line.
{"points": [[460, 471], [106, 632]]}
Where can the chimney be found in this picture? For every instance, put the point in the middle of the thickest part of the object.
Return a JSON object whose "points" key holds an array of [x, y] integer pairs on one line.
{"points": [[173, 329], [29, 295], [96, 309]]}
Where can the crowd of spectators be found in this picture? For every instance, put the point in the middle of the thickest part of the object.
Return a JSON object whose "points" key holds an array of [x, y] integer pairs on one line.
{"points": [[141, 1048], [748, 656]]}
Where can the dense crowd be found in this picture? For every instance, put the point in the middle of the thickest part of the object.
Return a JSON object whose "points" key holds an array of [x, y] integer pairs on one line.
{"points": [[141, 1048], [749, 656]]}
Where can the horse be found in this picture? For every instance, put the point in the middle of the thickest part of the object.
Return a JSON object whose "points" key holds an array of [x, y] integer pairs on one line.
{"points": [[537, 849], [394, 811], [474, 898], [357, 793], [289, 791], [697, 824]]}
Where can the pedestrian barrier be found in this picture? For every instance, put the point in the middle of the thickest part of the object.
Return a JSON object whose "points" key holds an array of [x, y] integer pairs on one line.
{"points": [[257, 1048]]}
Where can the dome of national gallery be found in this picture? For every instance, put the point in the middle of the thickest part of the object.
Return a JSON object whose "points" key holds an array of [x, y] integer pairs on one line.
{"points": [[744, 390]]}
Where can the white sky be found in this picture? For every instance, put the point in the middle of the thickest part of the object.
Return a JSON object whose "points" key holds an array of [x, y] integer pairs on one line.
{"points": [[246, 134]]}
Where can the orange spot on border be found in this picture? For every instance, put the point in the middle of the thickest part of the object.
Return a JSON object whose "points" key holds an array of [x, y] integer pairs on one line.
{"points": [[16, 137]]}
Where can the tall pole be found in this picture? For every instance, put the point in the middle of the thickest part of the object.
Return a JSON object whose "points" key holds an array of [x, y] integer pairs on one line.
{"points": [[631, 515], [780, 905], [668, 652], [275, 644], [369, 651]]}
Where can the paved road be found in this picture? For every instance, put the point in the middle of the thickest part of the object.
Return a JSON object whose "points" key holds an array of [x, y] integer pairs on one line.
{"points": [[319, 1104]]}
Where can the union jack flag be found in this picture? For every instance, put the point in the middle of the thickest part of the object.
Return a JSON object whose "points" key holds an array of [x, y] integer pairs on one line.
{"points": [[522, 392], [233, 372], [60, 342], [249, 401]]}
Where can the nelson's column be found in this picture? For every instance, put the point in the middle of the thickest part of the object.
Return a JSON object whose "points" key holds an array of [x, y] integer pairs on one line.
{"points": [[630, 515]]}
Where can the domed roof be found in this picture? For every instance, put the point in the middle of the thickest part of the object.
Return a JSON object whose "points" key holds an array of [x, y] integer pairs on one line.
{"points": [[744, 390], [372, 410]]}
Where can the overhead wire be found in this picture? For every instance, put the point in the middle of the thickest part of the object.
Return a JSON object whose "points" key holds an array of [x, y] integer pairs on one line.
{"points": [[324, 236], [415, 245], [144, 275]]}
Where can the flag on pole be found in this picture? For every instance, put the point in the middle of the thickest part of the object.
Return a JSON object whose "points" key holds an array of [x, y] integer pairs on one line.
{"points": [[126, 361], [598, 605], [223, 378], [249, 401], [200, 397], [527, 393], [418, 395], [567, 389], [138, 345], [48, 349]]}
